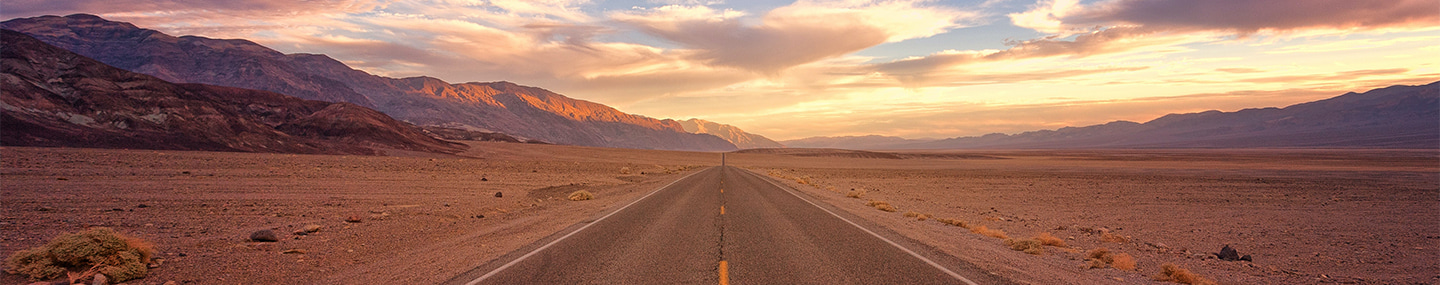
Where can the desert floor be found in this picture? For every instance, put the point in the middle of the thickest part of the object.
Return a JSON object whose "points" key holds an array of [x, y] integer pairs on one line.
{"points": [[1306, 216]]}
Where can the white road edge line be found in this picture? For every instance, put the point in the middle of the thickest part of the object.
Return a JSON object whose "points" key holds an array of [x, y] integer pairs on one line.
{"points": [[892, 243], [542, 248]]}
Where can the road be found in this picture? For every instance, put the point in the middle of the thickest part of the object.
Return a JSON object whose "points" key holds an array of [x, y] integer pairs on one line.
{"points": [[726, 225]]}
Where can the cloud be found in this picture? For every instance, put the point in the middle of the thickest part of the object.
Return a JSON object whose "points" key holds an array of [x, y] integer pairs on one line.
{"points": [[1248, 17], [803, 32]]}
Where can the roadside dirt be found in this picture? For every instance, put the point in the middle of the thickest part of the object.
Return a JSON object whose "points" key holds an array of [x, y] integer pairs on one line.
{"points": [[1305, 216]]}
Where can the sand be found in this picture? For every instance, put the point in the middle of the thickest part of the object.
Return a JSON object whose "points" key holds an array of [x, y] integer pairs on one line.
{"points": [[1306, 216]]}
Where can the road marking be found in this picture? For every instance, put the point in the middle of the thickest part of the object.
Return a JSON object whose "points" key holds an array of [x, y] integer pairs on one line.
{"points": [[724, 273], [892, 243], [542, 248], [722, 210]]}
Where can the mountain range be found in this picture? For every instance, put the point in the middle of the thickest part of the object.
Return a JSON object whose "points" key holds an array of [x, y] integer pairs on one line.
{"points": [[530, 113], [53, 97], [730, 133], [1391, 117]]}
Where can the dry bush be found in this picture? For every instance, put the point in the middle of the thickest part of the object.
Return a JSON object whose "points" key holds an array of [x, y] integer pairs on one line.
{"points": [[1122, 261], [881, 205], [117, 256], [912, 214], [1109, 237], [954, 222], [1030, 246], [802, 180], [1047, 239], [581, 195], [922, 217], [857, 193], [625, 170], [982, 230], [1101, 257], [1172, 273]]}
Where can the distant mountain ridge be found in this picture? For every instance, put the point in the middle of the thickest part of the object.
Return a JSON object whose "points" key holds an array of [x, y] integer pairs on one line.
{"points": [[730, 133], [1398, 116], [53, 97], [850, 142], [527, 112]]}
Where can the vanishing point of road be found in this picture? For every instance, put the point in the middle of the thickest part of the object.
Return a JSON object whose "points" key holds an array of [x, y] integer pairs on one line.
{"points": [[726, 225]]}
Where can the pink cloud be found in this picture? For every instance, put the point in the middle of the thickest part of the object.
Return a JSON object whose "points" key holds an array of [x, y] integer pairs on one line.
{"points": [[1249, 16]]}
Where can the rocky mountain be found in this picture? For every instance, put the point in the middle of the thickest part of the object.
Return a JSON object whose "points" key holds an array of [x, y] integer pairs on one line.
{"points": [[730, 133], [54, 97], [527, 112], [851, 142], [1391, 117]]}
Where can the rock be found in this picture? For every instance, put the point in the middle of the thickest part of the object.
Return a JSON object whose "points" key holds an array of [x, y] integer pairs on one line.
{"points": [[483, 179], [1246, 258], [293, 251], [308, 229], [498, 195], [264, 236], [142, 206], [172, 282], [100, 279], [1228, 254], [447, 204], [353, 219]]}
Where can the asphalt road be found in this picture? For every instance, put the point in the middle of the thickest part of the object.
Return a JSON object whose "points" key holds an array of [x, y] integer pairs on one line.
{"points": [[725, 225]]}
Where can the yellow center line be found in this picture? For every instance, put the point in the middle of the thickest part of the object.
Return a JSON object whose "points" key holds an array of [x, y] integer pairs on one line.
{"points": [[724, 274], [722, 210]]}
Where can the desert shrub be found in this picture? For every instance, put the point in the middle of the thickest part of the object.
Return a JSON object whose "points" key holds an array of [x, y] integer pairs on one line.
{"points": [[1109, 237], [103, 250], [857, 193], [1101, 257], [625, 170], [922, 217], [954, 222], [1122, 261], [881, 205], [982, 230], [1047, 239], [912, 214], [581, 195], [1172, 273], [1030, 246]]}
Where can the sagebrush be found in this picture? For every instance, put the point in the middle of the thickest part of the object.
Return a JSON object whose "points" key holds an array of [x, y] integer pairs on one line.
{"points": [[119, 257]]}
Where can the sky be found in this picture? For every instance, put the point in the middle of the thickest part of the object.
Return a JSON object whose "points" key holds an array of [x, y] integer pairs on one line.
{"points": [[908, 68]]}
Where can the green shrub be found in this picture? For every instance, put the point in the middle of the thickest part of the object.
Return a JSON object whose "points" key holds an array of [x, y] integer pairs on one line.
{"points": [[118, 256]]}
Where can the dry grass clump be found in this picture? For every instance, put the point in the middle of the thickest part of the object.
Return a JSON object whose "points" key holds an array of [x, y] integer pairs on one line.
{"points": [[96, 250], [982, 230], [1030, 246], [1101, 257], [881, 205], [802, 180], [917, 215], [1047, 239], [857, 193], [625, 170], [954, 222], [1172, 273], [1109, 237], [581, 195]]}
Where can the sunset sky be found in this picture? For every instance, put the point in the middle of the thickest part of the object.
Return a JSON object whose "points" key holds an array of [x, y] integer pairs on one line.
{"points": [[916, 69]]}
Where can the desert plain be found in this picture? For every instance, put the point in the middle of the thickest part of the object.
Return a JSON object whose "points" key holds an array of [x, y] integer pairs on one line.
{"points": [[1306, 216]]}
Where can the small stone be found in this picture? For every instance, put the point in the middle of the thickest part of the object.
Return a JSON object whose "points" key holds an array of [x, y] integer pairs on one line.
{"points": [[100, 279], [353, 219], [44, 209], [62, 178], [447, 204], [293, 251], [498, 195], [142, 206], [483, 179], [311, 228], [185, 172], [264, 236], [172, 282]]}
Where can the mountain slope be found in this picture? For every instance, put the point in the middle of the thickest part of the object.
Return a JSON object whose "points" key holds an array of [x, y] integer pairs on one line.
{"points": [[504, 107], [730, 133], [53, 97], [1391, 117]]}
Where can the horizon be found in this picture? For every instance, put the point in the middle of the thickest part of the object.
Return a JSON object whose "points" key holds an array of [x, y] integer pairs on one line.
{"points": [[851, 68]]}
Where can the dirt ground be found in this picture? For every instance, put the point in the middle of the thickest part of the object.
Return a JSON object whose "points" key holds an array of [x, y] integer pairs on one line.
{"points": [[421, 213], [1306, 216]]}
